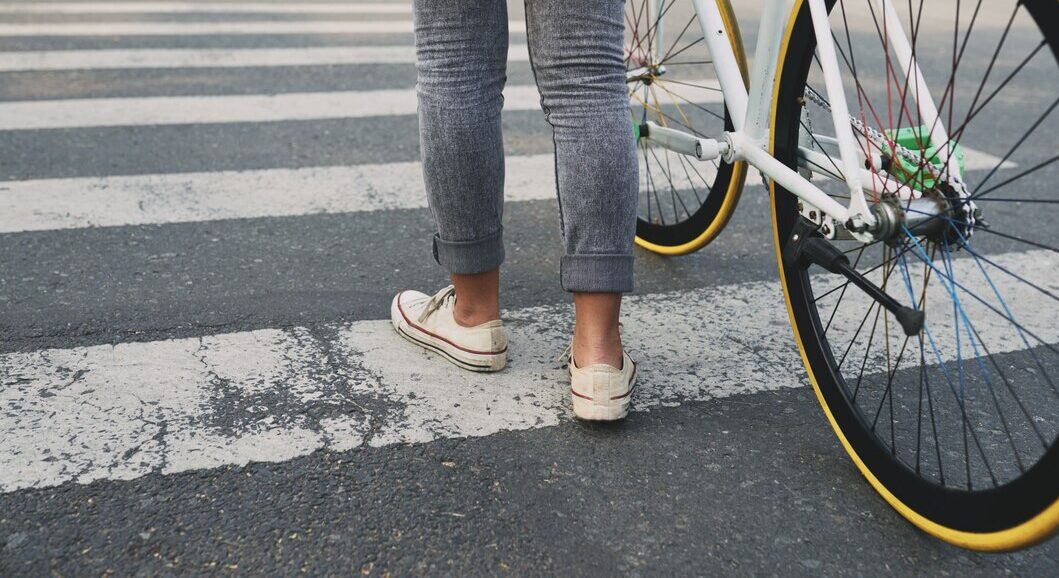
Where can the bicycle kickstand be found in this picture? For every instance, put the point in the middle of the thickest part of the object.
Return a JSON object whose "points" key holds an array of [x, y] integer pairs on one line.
{"points": [[807, 247]]}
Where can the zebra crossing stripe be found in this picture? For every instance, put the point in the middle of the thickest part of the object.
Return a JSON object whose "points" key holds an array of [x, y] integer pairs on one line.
{"points": [[216, 58], [285, 27], [126, 410], [156, 199], [203, 8], [74, 203], [162, 110]]}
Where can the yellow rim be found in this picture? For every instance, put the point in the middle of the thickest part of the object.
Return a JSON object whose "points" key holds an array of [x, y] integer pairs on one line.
{"points": [[735, 184], [1028, 533]]}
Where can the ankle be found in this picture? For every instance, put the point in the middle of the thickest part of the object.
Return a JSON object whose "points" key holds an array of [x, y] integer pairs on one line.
{"points": [[477, 297], [601, 349], [471, 315]]}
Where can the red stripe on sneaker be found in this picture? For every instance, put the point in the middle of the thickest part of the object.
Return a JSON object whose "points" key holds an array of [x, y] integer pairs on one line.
{"points": [[580, 395], [436, 336]]}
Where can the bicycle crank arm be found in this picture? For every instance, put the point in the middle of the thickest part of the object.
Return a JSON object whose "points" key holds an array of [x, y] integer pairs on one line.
{"points": [[704, 149], [807, 247]]}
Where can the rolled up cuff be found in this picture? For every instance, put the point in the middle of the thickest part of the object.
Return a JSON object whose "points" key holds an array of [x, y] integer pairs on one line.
{"points": [[597, 273], [470, 257]]}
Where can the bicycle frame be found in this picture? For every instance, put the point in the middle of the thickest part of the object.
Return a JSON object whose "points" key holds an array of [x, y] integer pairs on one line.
{"points": [[750, 110]]}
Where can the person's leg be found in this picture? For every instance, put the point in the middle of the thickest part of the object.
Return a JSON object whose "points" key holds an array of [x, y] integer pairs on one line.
{"points": [[461, 50], [477, 297], [461, 56], [576, 47], [596, 335]]}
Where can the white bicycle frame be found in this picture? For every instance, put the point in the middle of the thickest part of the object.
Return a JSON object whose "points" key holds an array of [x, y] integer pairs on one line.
{"points": [[750, 110]]}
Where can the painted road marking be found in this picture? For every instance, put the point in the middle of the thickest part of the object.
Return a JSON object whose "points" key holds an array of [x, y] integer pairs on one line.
{"points": [[48, 204], [285, 27], [201, 7], [162, 110], [156, 199], [216, 58], [123, 411]]}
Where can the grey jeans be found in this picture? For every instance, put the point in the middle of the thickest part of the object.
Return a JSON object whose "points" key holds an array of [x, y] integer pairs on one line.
{"points": [[576, 50]]}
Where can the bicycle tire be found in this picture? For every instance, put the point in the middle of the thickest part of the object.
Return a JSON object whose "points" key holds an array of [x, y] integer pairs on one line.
{"points": [[1018, 513], [707, 216]]}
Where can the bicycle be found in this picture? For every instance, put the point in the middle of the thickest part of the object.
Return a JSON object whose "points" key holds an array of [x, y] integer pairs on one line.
{"points": [[917, 285]]}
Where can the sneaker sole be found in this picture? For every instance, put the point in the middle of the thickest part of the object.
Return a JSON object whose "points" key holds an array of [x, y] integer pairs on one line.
{"points": [[478, 362]]}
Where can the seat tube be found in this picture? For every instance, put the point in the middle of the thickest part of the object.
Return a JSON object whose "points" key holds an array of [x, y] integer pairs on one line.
{"points": [[847, 142], [762, 77], [920, 91], [719, 41], [655, 9]]}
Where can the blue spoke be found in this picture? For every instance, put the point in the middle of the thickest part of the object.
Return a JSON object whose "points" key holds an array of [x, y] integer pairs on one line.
{"points": [[981, 257], [922, 255], [1010, 315], [971, 332]]}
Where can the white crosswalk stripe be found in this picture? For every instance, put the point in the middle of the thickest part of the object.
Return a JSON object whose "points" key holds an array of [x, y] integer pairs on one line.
{"points": [[123, 411], [216, 57], [47, 204], [204, 8], [281, 27], [79, 113], [161, 110], [156, 199]]}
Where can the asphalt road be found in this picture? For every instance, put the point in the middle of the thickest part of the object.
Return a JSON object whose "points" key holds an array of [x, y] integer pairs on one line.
{"points": [[221, 395]]}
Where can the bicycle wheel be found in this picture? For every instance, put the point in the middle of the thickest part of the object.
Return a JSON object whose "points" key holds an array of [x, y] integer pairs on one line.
{"points": [[955, 426], [684, 203]]}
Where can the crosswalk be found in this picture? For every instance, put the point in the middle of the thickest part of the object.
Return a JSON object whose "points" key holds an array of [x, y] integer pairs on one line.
{"points": [[124, 410], [135, 408]]}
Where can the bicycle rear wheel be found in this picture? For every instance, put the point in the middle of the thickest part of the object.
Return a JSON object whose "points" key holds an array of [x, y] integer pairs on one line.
{"points": [[683, 203], [955, 426]]}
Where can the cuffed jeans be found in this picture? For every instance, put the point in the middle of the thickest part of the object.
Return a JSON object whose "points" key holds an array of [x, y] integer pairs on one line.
{"points": [[576, 50]]}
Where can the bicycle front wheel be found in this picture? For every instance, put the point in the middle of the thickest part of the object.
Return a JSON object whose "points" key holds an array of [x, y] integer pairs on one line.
{"points": [[956, 425], [683, 203]]}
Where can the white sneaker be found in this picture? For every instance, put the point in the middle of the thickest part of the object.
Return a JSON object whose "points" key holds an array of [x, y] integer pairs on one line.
{"points": [[429, 323], [602, 392]]}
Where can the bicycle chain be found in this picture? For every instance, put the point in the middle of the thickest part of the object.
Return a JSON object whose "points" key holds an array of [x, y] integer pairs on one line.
{"points": [[970, 209], [875, 136]]}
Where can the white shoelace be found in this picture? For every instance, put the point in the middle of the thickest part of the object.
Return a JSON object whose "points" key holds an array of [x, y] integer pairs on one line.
{"points": [[437, 302], [564, 357]]}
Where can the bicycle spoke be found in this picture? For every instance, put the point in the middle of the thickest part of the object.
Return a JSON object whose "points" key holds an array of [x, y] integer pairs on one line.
{"points": [[1029, 171], [1015, 147], [1019, 239], [971, 333], [969, 402]]}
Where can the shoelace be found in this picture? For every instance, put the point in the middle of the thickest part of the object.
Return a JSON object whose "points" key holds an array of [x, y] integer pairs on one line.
{"points": [[567, 353], [437, 301]]}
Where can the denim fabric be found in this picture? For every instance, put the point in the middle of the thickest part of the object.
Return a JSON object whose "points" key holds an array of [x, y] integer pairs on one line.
{"points": [[576, 50]]}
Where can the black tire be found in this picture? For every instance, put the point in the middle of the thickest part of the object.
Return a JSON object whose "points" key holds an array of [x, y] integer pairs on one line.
{"points": [[1017, 504], [683, 207]]}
